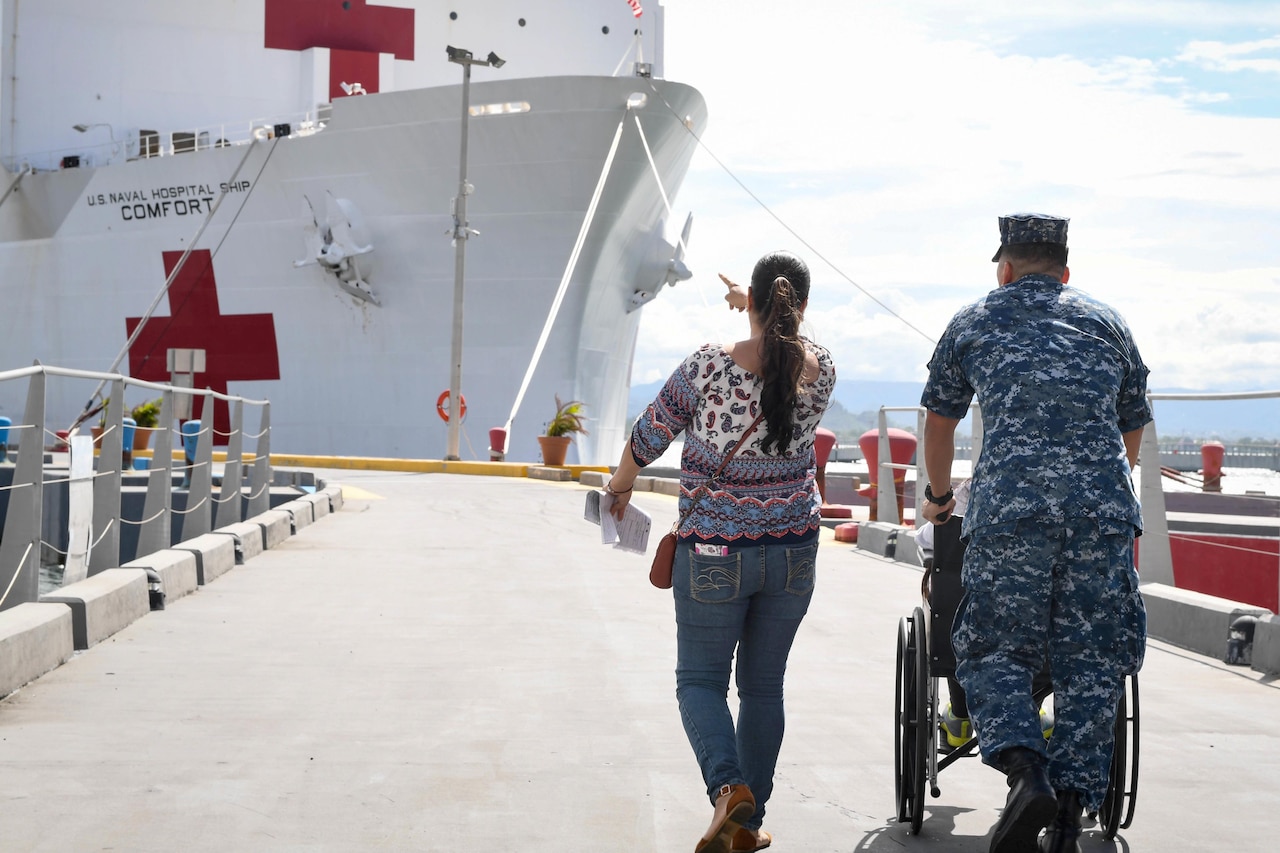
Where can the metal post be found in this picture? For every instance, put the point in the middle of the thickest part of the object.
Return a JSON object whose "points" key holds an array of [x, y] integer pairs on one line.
{"points": [[260, 475], [461, 233], [230, 498], [1156, 565], [460, 260], [106, 490], [155, 530], [20, 546], [886, 486]]}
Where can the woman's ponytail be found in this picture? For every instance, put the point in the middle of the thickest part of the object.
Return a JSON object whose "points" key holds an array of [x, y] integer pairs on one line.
{"points": [[779, 287]]}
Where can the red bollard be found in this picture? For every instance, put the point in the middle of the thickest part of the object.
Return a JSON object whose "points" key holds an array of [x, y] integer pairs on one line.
{"points": [[1211, 455], [824, 441], [902, 446], [497, 444]]}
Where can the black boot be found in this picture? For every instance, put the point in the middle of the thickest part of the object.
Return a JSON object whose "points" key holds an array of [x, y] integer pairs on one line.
{"points": [[1031, 804], [1063, 835]]}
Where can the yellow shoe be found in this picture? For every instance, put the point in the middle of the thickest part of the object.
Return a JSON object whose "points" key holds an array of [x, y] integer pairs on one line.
{"points": [[956, 730]]}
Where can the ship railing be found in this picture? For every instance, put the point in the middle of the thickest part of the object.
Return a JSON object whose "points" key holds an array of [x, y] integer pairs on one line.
{"points": [[106, 520], [142, 144]]}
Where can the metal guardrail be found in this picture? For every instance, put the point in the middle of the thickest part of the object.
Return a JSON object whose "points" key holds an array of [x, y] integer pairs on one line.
{"points": [[1157, 558], [97, 546], [886, 487]]}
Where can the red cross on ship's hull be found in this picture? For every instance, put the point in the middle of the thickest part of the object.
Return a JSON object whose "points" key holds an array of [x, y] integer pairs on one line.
{"points": [[237, 346]]}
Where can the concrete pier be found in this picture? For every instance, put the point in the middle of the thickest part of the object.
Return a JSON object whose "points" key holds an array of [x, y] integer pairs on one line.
{"points": [[453, 663]]}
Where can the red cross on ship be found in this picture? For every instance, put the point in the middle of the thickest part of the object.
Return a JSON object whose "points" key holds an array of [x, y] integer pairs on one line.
{"points": [[355, 33], [237, 346]]}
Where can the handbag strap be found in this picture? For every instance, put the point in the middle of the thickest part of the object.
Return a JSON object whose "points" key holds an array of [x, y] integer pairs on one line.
{"points": [[723, 462]]}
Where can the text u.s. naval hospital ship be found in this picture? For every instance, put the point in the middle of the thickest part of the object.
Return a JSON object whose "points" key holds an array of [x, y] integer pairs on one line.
{"points": [[289, 168]]}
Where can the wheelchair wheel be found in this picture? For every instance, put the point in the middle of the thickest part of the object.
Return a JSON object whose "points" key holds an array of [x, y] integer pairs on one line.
{"points": [[911, 715], [1122, 788]]}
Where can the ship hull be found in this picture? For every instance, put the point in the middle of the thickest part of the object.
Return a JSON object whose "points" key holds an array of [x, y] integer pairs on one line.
{"points": [[84, 252]]}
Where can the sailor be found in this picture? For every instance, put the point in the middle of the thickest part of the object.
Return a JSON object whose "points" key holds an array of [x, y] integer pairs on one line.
{"points": [[1050, 526]]}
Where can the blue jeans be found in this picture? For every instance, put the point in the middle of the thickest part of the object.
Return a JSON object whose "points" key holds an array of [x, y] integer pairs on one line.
{"points": [[752, 600]]}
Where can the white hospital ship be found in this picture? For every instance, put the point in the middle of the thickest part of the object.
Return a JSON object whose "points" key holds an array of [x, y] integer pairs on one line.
{"points": [[289, 168]]}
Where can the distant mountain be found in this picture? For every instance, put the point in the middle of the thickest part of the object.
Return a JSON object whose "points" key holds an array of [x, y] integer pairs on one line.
{"points": [[1225, 420]]}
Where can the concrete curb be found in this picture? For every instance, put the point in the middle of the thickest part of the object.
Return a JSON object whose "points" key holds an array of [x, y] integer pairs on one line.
{"points": [[178, 569], [302, 513], [334, 494], [103, 604], [1266, 646], [878, 537], [657, 485], [1193, 620], [34, 639], [248, 540], [905, 550], [319, 504], [277, 527], [214, 555], [1190, 620]]}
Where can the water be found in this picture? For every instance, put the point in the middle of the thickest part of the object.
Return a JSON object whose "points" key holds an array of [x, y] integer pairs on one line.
{"points": [[51, 577]]}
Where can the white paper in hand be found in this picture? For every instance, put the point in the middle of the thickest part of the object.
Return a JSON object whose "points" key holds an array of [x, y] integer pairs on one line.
{"points": [[630, 534]]}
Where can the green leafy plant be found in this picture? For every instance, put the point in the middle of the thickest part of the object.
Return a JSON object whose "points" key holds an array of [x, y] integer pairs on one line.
{"points": [[569, 418], [146, 414]]}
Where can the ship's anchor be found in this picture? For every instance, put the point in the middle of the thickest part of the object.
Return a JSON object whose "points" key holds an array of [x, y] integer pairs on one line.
{"points": [[672, 272], [340, 245]]}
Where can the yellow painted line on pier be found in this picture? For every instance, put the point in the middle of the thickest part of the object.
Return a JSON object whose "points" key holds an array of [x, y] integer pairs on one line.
{"points": [[412, 466], [354, 493]]}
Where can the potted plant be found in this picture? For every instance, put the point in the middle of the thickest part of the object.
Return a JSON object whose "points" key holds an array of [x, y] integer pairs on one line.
{"points": [[568, 420], [145, 417]]}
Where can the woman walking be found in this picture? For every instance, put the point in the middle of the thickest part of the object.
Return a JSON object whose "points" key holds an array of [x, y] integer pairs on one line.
{"points": [[744, 569]]}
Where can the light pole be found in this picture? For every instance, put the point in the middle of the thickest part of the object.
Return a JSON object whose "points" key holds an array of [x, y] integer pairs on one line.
{"points": [[461, 232], [111, 131]]}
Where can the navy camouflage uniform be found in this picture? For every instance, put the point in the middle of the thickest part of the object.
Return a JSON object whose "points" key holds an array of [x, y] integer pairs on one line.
{"points": [[1051, 520]]}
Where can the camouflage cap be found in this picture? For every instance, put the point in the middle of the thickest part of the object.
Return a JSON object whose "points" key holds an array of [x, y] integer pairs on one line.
{"points": [[1031, 228]]}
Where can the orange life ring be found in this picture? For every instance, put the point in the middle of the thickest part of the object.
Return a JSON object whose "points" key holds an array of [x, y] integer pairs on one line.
{"points": [[442, 406]]}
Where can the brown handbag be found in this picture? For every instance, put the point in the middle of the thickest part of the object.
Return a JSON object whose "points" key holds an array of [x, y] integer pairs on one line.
{"points": [[665, 557]]}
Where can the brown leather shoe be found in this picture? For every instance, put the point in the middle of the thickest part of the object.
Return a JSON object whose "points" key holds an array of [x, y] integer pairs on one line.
{"points": [[734, 805], [747, 841]]}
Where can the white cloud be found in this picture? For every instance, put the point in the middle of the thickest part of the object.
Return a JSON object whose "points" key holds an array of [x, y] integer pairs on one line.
{"points": [[890, 144], [1221, 56]]}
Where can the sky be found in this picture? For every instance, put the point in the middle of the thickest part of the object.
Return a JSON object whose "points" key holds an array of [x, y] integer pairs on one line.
{"points": [[882, 140]]}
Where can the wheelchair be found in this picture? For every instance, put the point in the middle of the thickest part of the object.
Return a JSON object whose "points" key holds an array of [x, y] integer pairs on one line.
{"points": [[925, 658]]}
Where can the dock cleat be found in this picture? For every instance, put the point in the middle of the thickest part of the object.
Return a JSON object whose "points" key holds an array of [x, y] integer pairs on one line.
{"points": [[956, 731]]}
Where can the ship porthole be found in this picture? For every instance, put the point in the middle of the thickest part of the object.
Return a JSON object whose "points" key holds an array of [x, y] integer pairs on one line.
{"points": [[453, 16], [346, 5], [521, 22], [604, 30]]}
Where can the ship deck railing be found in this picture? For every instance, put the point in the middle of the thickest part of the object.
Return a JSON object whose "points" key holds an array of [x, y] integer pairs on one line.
{"points": [[145, 144]]}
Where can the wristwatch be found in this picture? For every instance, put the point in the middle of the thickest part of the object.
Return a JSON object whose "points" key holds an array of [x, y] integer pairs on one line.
{"points": [[934, 499]]}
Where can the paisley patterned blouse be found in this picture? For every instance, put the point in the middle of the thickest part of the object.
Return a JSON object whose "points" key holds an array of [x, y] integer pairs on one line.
{"points": [[759, 497]]}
